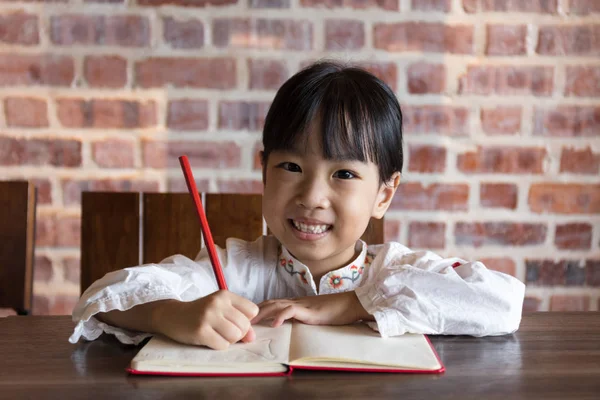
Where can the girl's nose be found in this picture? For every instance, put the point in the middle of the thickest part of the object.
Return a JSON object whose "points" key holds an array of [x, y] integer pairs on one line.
{"points": [[313, 194]]}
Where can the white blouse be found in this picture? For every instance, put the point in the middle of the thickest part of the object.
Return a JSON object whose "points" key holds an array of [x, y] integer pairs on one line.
{"points": [[405, 291]]}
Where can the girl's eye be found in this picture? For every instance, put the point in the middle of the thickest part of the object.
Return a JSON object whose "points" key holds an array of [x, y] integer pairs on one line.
{"points": [[290, 166], [344, 174]]}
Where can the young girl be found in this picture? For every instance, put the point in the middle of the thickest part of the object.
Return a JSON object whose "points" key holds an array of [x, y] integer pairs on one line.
{"points": [[332, 160]]}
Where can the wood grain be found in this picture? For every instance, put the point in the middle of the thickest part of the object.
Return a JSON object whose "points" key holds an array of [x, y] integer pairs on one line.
{"points": [[110, 234], [170, 226], [234, 215], [552, 356], [17, 236]]}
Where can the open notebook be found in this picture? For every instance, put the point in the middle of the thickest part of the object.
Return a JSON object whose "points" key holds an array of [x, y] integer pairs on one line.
{"points": [[293, 345]]}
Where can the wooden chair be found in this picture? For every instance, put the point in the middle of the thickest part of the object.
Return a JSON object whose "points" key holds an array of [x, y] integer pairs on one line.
{"points": [[125, 229], [17, 236]]}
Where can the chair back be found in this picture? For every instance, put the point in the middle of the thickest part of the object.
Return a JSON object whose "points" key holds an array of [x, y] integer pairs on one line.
{"points": [[120, 229], [17, 237]]}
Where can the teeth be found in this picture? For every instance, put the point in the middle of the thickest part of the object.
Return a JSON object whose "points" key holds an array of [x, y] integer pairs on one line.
{"points": [[310, 228]]}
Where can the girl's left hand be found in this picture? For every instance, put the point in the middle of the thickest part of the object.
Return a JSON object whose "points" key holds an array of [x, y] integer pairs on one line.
{"points": [[328, 309]]}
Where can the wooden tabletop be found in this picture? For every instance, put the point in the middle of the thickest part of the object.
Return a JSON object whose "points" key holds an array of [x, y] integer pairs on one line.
{"points": [[552, 356]]}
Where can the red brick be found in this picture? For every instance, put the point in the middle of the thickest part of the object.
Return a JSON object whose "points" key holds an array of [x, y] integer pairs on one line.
{"points": [[538, 81], [569, 303], [54, 304], [431, 5], [592, 273], [242, 115], [45, 230], [437, 196], [105, 71], [423, 37], [498, 195], [506, 160], [479, 234], [426, 78], [267, 74], [188, 115], [584, 7], [573, 236], [240, 186], [269, 34], [187, 3], [501, 120], [391, 230], [257, 161], [391, 5], [113, 153], [343, 34], [479, 79], [506, 40], [504, 264], [44, 190], [117, 30], [72, 188], [19, 28], [223, 154], [178, 184], [567, 121], [579, 161], [564, 198], [71, 270], [508, 80], [53, 152], [45, 69], [106, 113], [386, 71], [530, 6], [427, 235], [436, 119], [426, 158], [188, 34], [531, 304], [42, 269], [561, 40], [583, 81], [209, 73], [54, 230], [26, 112], [269, 3]]}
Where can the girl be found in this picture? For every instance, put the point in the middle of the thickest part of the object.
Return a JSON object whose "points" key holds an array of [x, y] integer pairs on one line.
{"points": [[332, 160]]}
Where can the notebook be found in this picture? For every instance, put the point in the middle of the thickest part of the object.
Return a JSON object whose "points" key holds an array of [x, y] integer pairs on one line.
{"points": [[293, 345]]}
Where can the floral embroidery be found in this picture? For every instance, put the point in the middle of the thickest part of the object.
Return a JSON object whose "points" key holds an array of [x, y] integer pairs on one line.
{"points": [[335, 281], [288, 265]]}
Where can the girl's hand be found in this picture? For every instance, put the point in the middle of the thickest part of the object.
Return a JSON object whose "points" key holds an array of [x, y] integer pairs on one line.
{"points": [[216, 320], [328, 309]]}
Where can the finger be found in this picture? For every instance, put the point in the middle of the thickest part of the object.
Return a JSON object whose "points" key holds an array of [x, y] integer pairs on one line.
{"points": [[228, 330], [286, 313], [268, 310], [250, 336], [246, 307], [215, 341], [238, 319]]}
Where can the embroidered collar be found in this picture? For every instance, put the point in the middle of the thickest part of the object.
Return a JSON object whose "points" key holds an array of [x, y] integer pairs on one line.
{"points": [[339, 280]]}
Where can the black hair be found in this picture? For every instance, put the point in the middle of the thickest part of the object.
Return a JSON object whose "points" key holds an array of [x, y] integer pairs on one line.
{"points": [[359, 116]]}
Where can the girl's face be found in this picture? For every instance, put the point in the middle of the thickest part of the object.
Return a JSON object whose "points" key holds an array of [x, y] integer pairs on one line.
{"points": [[319, 208]]}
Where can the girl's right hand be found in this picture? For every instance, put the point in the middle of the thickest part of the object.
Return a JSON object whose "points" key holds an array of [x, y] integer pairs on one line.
{"points": [[216, 320]]}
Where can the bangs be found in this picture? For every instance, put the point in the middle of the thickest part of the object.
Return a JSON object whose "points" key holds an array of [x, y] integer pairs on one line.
{"points": [[356, 115]]}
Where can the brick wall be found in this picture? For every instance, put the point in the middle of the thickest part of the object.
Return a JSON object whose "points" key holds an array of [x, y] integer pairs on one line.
{"points": [[501, 100]]}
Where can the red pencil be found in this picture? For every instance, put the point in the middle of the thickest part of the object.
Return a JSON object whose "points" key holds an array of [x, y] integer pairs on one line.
{"points": [[208, 240]]}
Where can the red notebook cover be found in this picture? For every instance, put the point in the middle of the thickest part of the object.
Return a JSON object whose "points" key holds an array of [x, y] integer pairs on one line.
{"points": [[291, 368]]}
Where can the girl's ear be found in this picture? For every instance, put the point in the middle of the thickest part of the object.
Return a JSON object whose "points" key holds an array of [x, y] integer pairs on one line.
{"points": [[385, 196]]}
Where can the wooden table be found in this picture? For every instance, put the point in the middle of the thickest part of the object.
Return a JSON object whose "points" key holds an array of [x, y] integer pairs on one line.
{"points": [[552, 356]]}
